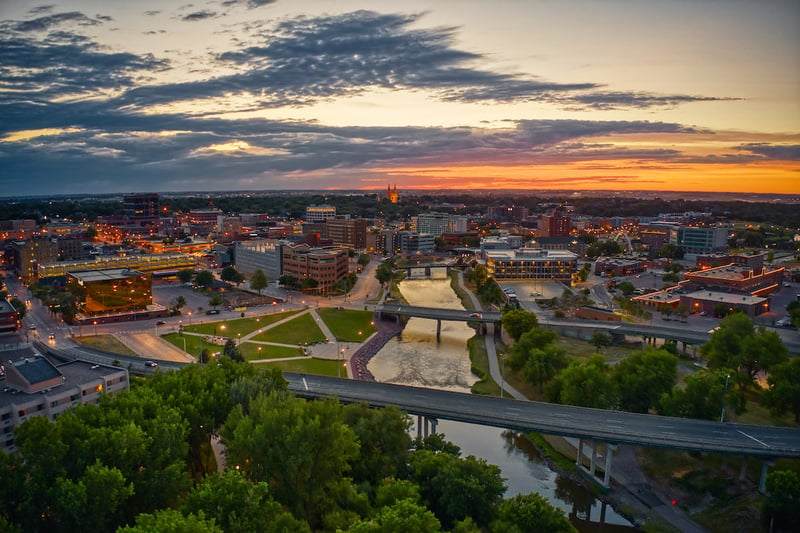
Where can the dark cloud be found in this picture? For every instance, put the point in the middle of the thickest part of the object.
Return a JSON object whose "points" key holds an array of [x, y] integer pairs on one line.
{"points": [[62, 64], [639, 100], [152, 13], [773, 151], [48, 21], [199, 15], [41, 9]]}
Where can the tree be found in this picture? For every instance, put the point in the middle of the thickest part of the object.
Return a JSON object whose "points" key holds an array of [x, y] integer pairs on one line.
{"points": [[185, 275], [171, 521], [402, 516], [363, 260], [518, 321], [231, 350], [383, 438], [794, 313], [215, 301], [587, 384], [779, 510], [457, 488], [258, 282], [784, 388], [643, 377], [240, 506], [702, 396], [530, 512], [232, 275], [205, 279], [300, 449], [583, 273], [743, 348], [626, 287], [19, 306], [385, 272], [600, 339], [287, 280]]}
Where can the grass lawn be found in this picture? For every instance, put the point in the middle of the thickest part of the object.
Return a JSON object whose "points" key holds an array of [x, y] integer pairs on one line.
{"points": [[193, 343], [584, 350], [322, 367], [238, 325], [106, 343], [346, 324], [299, 330], [250, 351]]}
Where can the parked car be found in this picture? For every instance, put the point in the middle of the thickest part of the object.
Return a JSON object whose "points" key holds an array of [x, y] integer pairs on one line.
{"points": [[212, 312]]}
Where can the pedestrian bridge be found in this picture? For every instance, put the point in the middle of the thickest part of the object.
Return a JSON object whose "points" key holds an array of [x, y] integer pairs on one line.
{"points": [[487, 319], [594, 425]]}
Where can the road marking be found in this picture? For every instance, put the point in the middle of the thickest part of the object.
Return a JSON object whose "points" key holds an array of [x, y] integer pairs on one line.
{"points": [[764, 444]]}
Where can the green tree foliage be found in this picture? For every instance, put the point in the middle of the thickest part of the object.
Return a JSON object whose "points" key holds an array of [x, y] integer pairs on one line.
{"points": [[794, 313], [232, 275], [518, 321], [215, 301], [743, 348], [363, 260], [456, 488], [583, 273], [385, 271], [403, 516], [171, 521], [643, 377], [231, 350], [600, 339], [585, 383], [779, 510], [383, 435], [314, 451], [19, 306], [626, 288], [701, 396], [240, 506], [258, 282], [204, 278], [537, 356], [530, 512], [784, 388], [185, 275], [670, 251]]}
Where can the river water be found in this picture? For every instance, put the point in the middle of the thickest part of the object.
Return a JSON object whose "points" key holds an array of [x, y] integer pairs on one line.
{"points": [[417, 358]]}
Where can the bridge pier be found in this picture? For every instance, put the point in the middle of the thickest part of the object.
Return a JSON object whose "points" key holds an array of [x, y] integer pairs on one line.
{"points": [[593, 459], [762, 483], [438, 330], [422, 426]]}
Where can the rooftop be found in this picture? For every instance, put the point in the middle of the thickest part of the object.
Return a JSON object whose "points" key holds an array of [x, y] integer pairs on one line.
{"points": [[105, 275]]}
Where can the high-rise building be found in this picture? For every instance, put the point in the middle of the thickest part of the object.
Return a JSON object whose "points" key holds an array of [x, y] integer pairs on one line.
{"points": [[262, 254], [347, 232], [699, 239], [325, 265], [27, 255], [412, 243], [141, 211], [437, 223], [555, 225], [320, 213]]}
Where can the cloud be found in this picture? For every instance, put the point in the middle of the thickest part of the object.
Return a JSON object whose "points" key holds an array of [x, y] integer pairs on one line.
{"points": [[48, 21], [772, 151], [638, 100], [199, 15]]}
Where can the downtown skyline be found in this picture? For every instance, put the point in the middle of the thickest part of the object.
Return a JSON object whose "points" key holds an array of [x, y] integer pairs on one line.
{"points": [[276, 95]]}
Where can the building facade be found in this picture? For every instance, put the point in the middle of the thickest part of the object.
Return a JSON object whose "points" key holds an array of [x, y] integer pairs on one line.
{"points": [[699, 239], [531, 263], [351, 233], [117, 290], [416, 243], [320, 213], [36, 387], [263, 254], [325, 265]]}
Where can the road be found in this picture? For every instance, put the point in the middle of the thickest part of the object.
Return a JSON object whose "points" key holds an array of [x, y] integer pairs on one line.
{"points": [[618, 427]]}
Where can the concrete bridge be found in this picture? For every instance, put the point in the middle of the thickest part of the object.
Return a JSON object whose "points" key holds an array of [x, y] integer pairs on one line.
{"points": [[487, 319], [592, 427], [427, 266]]}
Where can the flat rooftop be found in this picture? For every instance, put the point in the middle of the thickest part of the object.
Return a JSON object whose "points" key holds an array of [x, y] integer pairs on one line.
{"points": [[111, 274], [726, 297], [729, 272]]}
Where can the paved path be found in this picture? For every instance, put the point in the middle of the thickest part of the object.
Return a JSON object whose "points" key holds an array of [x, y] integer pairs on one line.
{"points": [[156, 347], [491, 351]]}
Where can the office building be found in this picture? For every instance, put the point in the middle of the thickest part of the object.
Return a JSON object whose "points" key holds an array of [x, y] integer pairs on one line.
{"points": [[531, 263]]}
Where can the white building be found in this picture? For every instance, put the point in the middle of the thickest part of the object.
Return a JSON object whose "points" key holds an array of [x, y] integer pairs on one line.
{"points": [[262, 254], [437, 223], [320, 213], [531, 263]]}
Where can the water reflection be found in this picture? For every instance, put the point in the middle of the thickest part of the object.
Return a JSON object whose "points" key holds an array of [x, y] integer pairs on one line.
{"points": [[417, 358]]}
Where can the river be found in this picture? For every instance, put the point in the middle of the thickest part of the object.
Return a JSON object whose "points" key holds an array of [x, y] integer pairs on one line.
{"points": [[416, 358]]}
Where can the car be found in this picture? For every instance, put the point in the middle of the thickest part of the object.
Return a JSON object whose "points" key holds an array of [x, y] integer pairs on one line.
{"points": [[212, 312], [151, 364], [51, 337], [475, 315], [703, 313], [160, 323], [33, 328]]}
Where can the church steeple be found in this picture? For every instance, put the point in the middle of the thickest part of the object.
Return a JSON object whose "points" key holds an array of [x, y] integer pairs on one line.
{"points": [[391, 194]]}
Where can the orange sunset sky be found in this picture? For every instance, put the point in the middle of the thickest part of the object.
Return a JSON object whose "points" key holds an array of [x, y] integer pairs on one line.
{"points": [[103, 97]]}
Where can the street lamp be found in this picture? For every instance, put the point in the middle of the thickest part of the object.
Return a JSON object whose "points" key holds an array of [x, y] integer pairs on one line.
{"points": [[339, 361], [238, 339], [94, 322], [724, 393], [502, 373], [190, 318]]}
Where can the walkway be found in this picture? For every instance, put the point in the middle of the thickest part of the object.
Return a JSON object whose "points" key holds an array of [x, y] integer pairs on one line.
{"points": [[491, 351]]}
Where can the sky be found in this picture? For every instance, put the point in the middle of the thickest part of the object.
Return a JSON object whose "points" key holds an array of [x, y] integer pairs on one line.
{"points": [[104, 97]]}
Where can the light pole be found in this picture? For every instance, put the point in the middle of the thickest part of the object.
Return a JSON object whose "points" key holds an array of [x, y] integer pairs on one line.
{"points": [[190, 318], [502, 373], [184, 344], [724, 393], [94, 322]]}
